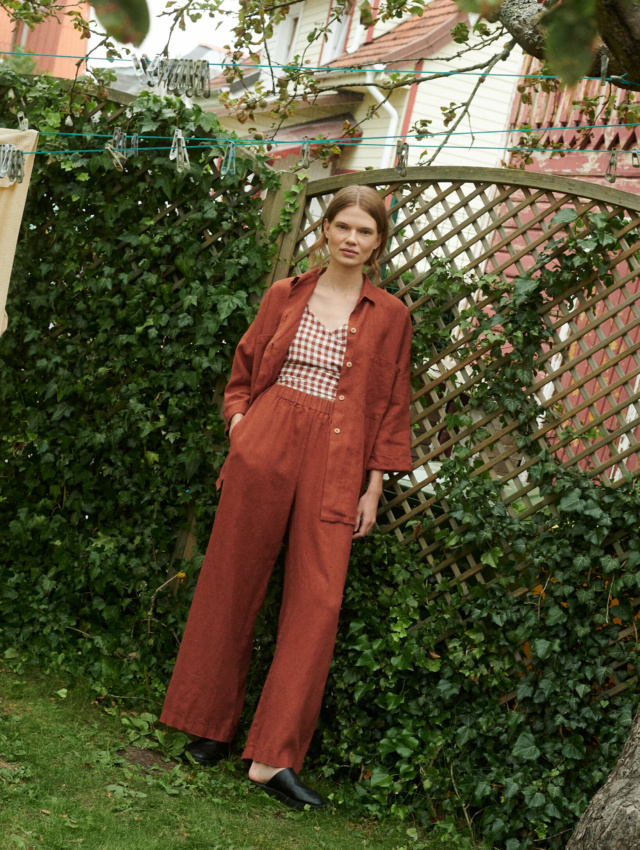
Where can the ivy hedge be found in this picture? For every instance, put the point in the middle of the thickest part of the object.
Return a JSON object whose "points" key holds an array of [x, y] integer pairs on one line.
{"points": [[483, 714]]}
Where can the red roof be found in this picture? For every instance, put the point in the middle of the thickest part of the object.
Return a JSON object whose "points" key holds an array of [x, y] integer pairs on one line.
{"points": [[415, 38]]}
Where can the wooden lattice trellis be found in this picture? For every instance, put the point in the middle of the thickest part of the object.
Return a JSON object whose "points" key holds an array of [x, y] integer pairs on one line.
{"points": [[500, 221]]}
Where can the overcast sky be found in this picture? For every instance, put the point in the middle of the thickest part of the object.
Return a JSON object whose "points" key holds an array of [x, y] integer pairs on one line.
{"points": [[213, 31]]}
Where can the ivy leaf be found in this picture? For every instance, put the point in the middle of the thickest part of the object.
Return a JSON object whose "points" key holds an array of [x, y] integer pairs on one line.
{"points": [[524, 286], [525, 747], [380, 778], [448, 688], [571, 501], [556, 615], [541, 647], [393, 701], [360, 689], [571, 751], [564, 217]]}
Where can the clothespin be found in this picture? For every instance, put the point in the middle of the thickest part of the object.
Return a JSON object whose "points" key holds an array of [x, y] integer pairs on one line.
{"points": [[612, 168], [5, 158], [604, 68], [204, 80], [402, 152], [179, 152], [169, 73], [16, 166], [635, 158], [190, 82], [304, 160], [154, 71], [11, 163], [228, 165], [140, 67], [133, 150], [182, 80], [23, 124], [117, 149]]}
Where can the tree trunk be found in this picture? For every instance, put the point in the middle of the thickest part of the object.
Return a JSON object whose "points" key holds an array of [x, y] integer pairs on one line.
{"points": [[619, 26], [612, 819]]}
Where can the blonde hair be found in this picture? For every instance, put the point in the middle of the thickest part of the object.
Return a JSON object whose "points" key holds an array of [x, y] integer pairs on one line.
{"points": [[368, 200]]}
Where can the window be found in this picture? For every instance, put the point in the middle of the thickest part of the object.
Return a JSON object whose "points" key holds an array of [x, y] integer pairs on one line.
{"points": [[337, 37], [285, 40]]}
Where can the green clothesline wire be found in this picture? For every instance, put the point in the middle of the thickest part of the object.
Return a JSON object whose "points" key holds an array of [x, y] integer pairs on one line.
{"points": [[323, 68], [326, 141], [352, 142]]}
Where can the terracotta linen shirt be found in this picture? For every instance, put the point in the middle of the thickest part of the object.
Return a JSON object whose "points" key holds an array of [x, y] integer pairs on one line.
{"points": [[370, 427]]}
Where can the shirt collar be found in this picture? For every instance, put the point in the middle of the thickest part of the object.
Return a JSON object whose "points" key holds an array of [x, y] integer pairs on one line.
{"points": [[369, 291]]}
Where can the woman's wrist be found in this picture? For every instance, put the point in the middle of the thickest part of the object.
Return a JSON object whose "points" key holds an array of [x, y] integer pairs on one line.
{"points": [[375, 481], [234, 420]]}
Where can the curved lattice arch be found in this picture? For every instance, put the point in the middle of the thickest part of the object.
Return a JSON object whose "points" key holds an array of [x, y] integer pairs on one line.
{"points": [[500, 221]]}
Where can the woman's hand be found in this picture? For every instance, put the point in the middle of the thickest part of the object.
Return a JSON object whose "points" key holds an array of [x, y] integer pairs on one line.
{"points": [[368, 505], [234, 421]]}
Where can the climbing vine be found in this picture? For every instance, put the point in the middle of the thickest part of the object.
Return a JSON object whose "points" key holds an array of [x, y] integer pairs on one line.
{"points": [[480, 710]]}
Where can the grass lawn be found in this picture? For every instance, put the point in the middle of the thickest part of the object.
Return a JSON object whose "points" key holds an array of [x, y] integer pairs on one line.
{"points": [[70, 778]]}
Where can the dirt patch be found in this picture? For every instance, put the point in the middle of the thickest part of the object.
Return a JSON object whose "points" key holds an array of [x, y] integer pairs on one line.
{"points": [[4, 765], [148, 759]]}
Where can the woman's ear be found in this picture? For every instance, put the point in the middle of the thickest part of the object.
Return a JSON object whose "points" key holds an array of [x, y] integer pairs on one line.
{"points": [[325, 228]]}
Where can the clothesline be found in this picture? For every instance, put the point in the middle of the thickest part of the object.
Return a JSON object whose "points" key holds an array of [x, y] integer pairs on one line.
{"points": [[319, 68], [391, 138], [348, 142]]}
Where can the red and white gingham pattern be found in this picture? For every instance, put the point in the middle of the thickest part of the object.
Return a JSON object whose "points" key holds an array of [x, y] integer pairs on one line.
{"points": [[314, 358]]}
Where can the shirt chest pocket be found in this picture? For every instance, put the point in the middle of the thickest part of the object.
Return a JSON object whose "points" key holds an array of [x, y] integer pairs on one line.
{"points": [[381, 375]]}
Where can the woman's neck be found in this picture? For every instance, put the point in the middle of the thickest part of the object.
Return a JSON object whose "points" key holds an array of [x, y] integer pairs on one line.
{"points": [[342, 280]]}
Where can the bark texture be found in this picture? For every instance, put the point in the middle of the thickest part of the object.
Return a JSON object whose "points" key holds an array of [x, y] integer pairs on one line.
{"points": [[521, 18], [612, 819], [619, 26]]}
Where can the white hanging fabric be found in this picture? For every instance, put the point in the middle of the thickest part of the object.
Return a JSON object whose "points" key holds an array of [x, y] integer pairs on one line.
{"points": [[13, 195]]}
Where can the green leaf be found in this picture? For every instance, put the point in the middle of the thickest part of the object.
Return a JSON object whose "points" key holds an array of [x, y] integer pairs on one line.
{"points": [[565, 216], [393, 701], [366, 14], [380, 778], [572, 31], [556, 615], [125, 20], [571, 501], [541, 647], [524, 286], [525, 747], [571, 751]]}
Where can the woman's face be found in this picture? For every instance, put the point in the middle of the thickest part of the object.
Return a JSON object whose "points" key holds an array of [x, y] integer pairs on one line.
{"points": [[351, 237]]}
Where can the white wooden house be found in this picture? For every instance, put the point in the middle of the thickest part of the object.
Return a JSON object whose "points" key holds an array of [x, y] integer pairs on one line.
{"points": [[420, 44]]}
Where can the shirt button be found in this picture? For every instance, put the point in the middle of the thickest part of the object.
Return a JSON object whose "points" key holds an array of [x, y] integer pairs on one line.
{"points": [[336, 430], [340, 398], [353, 330], [349, 364]]}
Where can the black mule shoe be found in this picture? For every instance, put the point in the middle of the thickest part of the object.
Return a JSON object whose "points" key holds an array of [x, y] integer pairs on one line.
{"points": [[207, 752], [287, 788]]}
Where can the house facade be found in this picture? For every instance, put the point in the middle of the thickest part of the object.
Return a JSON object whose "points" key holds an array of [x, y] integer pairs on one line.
{"points": [[354, 58]]}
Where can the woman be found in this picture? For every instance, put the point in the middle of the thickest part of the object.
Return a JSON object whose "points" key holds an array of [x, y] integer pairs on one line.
{"points": [[318, 400]]}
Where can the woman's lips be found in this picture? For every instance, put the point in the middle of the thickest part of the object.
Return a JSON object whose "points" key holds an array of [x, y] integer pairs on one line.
{"points": [[348, 252]]}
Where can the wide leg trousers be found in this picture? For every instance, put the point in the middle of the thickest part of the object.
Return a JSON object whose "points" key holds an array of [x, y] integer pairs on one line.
{"points": [[274, 478]]}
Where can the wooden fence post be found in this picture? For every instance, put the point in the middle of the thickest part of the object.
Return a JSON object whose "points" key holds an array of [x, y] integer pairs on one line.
{"points": [[271, 215]]}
